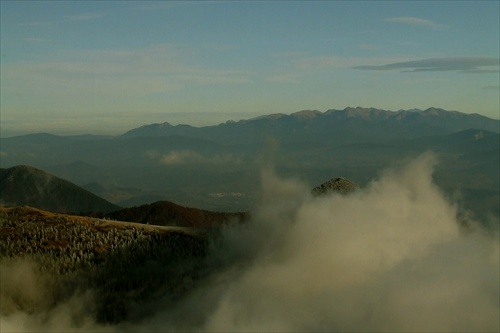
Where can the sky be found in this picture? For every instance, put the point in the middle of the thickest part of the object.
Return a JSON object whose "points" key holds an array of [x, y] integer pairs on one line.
{"points": [[75, 67]]}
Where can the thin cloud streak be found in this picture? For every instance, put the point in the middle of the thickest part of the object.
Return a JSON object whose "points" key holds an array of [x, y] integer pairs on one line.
{"points": [[415, 21], [150, 70], [35, 24], [85, 17], [299, 67], [460, 64], [34, 40]]}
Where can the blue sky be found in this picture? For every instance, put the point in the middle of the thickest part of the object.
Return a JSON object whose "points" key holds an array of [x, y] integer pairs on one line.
{"points": [[105, 67]]}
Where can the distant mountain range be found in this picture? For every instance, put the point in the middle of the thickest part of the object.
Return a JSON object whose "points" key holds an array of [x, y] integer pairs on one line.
{"points": [[217, 168], [348, 125]]}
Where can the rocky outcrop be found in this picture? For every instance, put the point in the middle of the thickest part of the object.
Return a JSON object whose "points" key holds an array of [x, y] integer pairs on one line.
{"points": [[337, 185]]}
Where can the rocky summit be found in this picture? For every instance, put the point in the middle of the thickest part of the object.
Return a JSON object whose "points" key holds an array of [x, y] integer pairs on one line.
{"points": [[337, 185]]}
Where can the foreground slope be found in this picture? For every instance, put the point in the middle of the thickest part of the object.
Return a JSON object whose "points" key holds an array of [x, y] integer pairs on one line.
{"points": [[123, 262]]}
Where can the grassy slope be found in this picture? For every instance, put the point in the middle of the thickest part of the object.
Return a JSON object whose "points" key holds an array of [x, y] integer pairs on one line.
{"points": [[122, 262]]}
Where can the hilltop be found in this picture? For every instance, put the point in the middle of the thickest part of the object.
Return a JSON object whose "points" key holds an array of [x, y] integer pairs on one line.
{"points": [[163, 213], [26, 185], [335, 185]]}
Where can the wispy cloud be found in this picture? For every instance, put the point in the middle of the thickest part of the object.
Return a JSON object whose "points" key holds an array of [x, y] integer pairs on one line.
{"points": [[319, 63], [415, 21], [85, 16], [297, 67], [35, 24], [289, 54], [368, 47], [157, 60], [284, 78], [180, 157], [157, 67], [460, 64], [207, 78], [34, 40], [155, 5]]}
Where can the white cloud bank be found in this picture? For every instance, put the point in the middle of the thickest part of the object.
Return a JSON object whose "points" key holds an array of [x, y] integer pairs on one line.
{"points": [[390, 257]]}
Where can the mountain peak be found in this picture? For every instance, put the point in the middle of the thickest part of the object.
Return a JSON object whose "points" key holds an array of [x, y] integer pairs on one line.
{"points": [[25, 171], [164, 124], [151, 129], [307, 114], [436, 111], [352, 123], [272, 116], [25, 185], [336, 185]]}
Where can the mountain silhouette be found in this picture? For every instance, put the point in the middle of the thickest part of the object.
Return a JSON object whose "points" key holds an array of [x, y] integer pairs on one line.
{"points": [[186, 164], [25, 185], [352, 124], [165, 213]]}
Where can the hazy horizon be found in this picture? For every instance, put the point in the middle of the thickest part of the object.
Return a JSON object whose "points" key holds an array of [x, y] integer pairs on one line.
{"points": [[194, 119], [104, 67]]}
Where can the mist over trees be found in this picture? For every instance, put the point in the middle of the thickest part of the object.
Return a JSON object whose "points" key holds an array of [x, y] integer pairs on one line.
{"points": [[394, 255]]}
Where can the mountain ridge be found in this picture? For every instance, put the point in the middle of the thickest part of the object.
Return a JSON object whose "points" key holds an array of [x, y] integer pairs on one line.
{"points": [[185, 164], [372, 123], [25, 185], [166, 213]]}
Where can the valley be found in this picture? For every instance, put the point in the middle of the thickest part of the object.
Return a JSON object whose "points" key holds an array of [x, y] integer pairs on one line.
{"points": [[205, 167], [169, 222]]}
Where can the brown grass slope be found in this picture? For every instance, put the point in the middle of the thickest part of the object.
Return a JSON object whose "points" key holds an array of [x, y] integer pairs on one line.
{"points": [[165, 213], [122, 262]]}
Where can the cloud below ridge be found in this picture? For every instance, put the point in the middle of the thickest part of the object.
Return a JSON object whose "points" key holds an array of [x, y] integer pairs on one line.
{"points": [[389, 257], [186, 156]]}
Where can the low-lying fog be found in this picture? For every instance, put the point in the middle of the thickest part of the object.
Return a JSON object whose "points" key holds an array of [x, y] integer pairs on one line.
{"points": [[389, 257]]}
